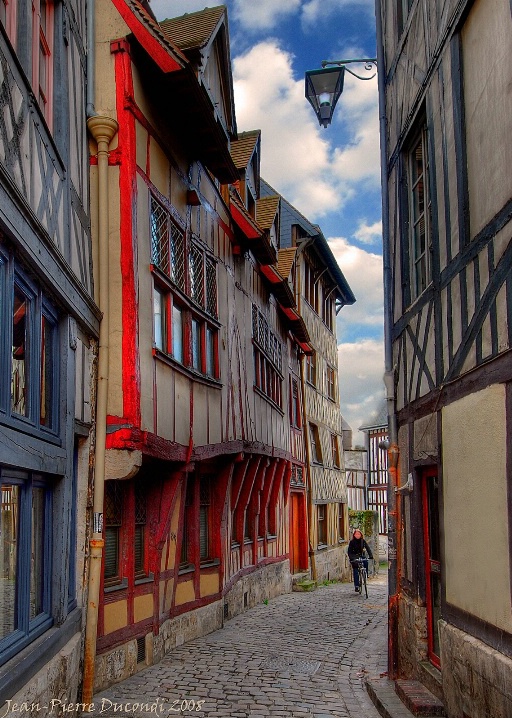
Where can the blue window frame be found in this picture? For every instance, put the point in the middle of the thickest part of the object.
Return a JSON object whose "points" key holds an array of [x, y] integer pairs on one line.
{"points": [[25, 559], [29, 353]]}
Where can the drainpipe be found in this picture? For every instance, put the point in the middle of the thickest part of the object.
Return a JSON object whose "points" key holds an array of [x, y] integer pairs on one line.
{"points": [[90, 59], [389, 376], [103, 130]]}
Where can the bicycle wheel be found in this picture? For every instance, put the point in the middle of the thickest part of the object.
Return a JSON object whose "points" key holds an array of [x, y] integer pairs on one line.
{"points": [[360, 571], [364, 586]]}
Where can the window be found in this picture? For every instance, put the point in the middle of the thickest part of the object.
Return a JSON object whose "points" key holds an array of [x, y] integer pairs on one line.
{"points": [[8, 18], [331, 383], [197, 537], [316, 450], [42, 55], [310, 285], [311, 369], [139, 549], [322, 525], [185, 325], [297, 476], [25, 559], [113, 512], [328, 308], [419, 214], [30, 346], [335, 451], [267, 358], [186, 558], [295, 413], [126, 557], [341, 522], [204, 518]]}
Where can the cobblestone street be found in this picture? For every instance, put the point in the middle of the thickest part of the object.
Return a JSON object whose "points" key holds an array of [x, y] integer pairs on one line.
{"points": [[302, 654]]}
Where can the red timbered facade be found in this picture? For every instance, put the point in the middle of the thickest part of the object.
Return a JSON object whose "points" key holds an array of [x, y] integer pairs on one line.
{"points": [[201, 454]]}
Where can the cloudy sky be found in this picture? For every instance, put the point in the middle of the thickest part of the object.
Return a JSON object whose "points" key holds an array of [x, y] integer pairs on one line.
{"points": [[331, 175]]}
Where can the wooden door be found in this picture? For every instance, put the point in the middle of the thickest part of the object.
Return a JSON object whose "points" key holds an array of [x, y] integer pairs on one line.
{"points": [[295, 533], [432, 546]]}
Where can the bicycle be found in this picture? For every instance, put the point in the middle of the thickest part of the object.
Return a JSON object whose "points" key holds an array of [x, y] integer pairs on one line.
{"points": [[361, 570]]}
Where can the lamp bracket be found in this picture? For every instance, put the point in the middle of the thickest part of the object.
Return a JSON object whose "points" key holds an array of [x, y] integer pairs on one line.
{"points": [[369, 64]]}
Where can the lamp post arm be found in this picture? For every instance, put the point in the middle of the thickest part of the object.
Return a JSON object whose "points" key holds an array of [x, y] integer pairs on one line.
{"points": [[369, 64]]}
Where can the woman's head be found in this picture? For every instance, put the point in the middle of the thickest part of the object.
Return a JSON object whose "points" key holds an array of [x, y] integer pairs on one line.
{"points": [[358, 534]]}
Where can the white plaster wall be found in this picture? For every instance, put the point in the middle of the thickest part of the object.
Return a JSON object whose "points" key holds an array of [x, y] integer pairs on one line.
{"points": [[475, 513]]}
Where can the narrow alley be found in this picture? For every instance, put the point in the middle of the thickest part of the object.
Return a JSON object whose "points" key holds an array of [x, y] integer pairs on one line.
{"points": [[302, 654]]}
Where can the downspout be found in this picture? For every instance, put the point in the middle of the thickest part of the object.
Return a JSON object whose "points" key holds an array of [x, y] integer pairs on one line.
{"points": [[90, 59], [389, 376], [103, 130]]}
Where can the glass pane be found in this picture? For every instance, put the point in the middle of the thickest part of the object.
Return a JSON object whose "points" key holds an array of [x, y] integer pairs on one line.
{"points": [[159, 236], [8, 557], [3, 12], [177, 334], [47, 333], [210, 353], [20, 368], [196, 345], [158, 318], [37, 552]]}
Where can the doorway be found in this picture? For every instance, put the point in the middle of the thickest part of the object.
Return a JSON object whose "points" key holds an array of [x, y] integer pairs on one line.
{"points": [[432, 546]]}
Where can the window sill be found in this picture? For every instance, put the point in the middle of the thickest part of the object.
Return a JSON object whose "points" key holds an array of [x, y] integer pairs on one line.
{"points": [[190, 568], [268, 399], [187, 371], [116, 587], [145, 579], [321, 547], [210, 564], [235, 544], [271, 537]]}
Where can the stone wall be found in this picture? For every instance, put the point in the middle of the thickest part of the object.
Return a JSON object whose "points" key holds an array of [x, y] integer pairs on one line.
{"points": [[253, 588], [332, 564], [412, 636], [57, 681], [478, 682]]}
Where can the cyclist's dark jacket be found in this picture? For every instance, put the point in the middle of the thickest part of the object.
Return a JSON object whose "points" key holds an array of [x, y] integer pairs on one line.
{"points": [[356, 547]]}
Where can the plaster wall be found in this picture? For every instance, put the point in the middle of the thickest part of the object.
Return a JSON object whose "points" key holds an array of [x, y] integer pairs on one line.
{"points": [[475, 512]]}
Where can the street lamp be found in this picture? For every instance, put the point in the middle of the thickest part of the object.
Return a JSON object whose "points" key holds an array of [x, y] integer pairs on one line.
{"points": [[324, 87]]}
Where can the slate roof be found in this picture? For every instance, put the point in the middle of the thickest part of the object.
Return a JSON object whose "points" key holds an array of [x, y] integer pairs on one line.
{"points": [[242, 148], [193, 30], [266, 210]]}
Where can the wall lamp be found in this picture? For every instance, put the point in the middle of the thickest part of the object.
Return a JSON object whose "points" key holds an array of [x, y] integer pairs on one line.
{"points": [[324, 87]]}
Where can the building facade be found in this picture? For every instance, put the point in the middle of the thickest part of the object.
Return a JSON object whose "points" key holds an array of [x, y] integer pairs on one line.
{"points": [[204, 333], [50, 324], [321, 291], [445, 76]]}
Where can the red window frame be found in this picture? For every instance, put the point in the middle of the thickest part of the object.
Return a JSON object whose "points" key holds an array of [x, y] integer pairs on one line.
{"points": [[42, 56], [331, 383]]}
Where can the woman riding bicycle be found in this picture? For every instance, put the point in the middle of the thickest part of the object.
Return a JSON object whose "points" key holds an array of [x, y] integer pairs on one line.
{"points": [[356, 548]]}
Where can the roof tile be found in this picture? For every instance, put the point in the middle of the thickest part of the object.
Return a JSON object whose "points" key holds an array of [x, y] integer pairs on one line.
{"points": [[266, 210], [242, 148], [193, 30]]}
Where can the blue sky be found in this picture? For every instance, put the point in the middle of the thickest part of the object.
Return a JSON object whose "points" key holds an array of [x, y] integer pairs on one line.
{"points": [[331, 175]]}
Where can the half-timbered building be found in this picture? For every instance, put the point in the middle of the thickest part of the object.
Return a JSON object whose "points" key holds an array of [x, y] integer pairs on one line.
{"points": [[49, 325], [445, 75], [377, 441], [321, 291], [198, 450]]}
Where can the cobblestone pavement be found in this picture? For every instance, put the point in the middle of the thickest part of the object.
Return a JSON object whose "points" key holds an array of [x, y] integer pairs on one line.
{"points": [[302, 654]]}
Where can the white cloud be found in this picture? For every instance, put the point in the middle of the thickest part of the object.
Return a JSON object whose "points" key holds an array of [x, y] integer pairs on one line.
{"points": [[368, 233], [363, 272], [315, 10], [263, 14], [361, 368]]}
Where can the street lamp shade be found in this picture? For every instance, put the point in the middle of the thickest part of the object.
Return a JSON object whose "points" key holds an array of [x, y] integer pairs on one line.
{"points": [[323, 90]]}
